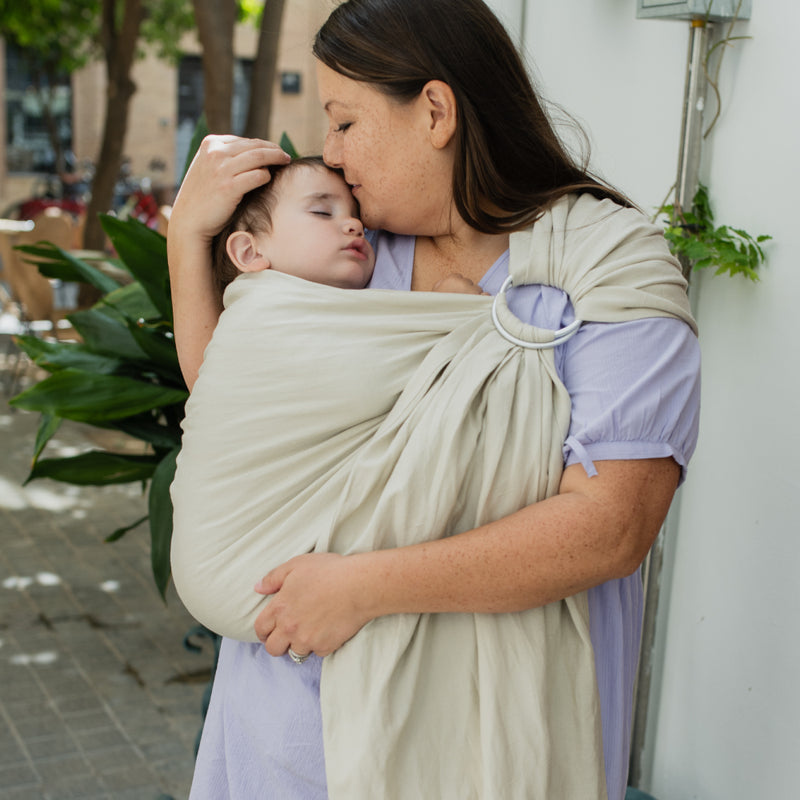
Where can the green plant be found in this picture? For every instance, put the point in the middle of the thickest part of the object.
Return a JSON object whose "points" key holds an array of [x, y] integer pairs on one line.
{"points": [[123, 375], [693, 236]]}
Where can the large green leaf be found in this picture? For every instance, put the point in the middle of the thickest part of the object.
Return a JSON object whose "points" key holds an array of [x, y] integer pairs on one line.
{"points": [[53, 356], [130, 302], [145, 427], [53, 262], [158, 345], [106, 334], [85, 397], [144, 252], [48, 425], [120, 532], [95, 468], [160, 505]]}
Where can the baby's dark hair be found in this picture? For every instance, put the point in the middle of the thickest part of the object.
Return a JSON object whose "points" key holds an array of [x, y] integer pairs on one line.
{"points": [[254, 215]]}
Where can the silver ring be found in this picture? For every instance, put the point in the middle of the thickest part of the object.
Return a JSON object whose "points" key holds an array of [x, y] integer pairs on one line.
{"points": [[296, 657], [559, 337]]}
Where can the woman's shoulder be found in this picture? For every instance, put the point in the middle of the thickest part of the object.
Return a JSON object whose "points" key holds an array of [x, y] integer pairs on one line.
{"points": [[635, 390]]}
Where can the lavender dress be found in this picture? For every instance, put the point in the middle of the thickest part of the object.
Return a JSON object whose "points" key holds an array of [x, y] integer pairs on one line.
{"points": [[635, 393]]}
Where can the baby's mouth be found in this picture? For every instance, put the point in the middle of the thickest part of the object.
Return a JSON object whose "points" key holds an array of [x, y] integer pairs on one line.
{"points": [[359, 247]]}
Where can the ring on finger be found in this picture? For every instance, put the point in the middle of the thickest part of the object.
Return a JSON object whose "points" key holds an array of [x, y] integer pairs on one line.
{"points": [[298, 658]]}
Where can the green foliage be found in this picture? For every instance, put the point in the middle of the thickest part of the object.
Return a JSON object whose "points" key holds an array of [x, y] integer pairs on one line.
{"points": [[164, 24], [250, 11], [61, 37], [122, 376], [693, 236], [287, 146]]}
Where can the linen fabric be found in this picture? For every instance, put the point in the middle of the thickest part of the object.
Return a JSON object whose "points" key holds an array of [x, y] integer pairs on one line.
{"points": [[502, 700]]}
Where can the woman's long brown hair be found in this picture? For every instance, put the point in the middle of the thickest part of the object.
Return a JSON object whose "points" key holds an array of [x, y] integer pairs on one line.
{"points": [[510, 165]]}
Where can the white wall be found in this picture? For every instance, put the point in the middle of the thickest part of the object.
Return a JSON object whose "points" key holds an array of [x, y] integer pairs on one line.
{"points": [[511, 14], [726, 721]]}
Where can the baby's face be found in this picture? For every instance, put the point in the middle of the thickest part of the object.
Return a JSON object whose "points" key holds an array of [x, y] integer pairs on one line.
{"points": [[316, 232]]}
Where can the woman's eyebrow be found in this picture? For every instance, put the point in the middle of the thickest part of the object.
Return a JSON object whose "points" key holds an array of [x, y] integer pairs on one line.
{"points": [[336, 103]]}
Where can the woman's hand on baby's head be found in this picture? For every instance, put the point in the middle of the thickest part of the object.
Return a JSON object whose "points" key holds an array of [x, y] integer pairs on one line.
{"points": [[458, 284], [223, 170]]}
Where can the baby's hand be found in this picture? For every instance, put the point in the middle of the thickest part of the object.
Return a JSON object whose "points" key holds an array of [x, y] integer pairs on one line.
{"points": [[458, 284]]}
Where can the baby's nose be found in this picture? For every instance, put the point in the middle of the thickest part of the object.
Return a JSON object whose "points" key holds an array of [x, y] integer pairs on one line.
{"points": [[354, 226]]}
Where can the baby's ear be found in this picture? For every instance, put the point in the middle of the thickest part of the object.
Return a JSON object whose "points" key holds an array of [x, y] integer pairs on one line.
{"points": [[243, 251]]}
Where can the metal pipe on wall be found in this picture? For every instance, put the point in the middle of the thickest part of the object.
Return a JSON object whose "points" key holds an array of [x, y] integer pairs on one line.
{"points": [[693, 107], [694, 101], [688, 177]]}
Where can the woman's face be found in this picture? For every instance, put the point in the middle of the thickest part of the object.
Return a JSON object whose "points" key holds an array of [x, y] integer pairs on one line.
{"points": [[402, 183]]}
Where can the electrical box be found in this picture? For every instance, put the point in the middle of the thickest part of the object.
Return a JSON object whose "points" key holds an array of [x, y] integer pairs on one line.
{"points": [[720, 11]]}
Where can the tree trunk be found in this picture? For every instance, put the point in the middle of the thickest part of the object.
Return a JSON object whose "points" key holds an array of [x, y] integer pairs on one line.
{"points": [[120, 51], [263, 82], [215, 23]]}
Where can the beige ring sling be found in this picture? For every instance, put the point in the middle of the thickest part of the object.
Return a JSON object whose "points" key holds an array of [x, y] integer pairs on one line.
{"points": [[347, 421]]}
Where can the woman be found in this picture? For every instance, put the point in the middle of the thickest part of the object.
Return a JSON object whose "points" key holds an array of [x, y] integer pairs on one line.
{"points": [[438, 131]]}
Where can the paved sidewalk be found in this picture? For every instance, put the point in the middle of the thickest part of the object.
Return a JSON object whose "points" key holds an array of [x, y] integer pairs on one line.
{"points": [[98, 696]]}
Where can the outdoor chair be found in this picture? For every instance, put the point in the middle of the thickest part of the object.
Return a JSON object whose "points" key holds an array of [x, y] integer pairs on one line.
{"points": [[37, 304]]}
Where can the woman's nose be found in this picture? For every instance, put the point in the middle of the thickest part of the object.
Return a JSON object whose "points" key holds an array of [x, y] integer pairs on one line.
{"points": [[330, 152]]}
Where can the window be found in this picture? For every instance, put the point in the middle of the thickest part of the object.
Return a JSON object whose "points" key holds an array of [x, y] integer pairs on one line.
{"points": [[190, 102], [38, 116]]}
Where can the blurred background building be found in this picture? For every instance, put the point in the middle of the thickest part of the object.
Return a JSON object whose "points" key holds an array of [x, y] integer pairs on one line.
{"points": [[164, 109]]}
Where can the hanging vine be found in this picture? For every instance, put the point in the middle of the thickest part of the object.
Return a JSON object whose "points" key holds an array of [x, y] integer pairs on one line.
{"points": [[722, 43]]}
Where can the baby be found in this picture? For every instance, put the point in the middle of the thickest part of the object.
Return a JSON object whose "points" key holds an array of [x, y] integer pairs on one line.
{"points": [[247, 467], [304, 222]]}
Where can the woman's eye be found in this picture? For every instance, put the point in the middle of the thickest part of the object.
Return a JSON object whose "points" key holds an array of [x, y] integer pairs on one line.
{"points": [[343, 127]]}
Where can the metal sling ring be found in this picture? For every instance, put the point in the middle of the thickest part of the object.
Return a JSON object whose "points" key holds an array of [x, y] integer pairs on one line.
{"points": [[559, 337]]}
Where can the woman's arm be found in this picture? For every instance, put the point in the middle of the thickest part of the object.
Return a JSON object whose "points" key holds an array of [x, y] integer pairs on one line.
{"points": [[596, 529], [223, 171]]}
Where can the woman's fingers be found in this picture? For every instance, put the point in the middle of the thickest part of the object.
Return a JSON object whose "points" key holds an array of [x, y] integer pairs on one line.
{"points": [[457, 283], [276, 644], [223, 170], [237, 142], [264, 626], [243, 155], [277, 639], [273, 580], [229, 168], [315, 605]]}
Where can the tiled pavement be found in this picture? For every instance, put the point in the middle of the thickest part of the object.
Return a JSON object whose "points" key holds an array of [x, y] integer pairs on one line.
{"points": [[98, 696]]}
